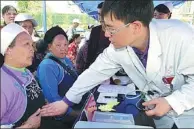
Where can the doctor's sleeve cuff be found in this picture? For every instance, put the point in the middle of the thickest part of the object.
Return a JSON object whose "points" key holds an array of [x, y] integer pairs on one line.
{"points": [[175, 104], [67, 101]]}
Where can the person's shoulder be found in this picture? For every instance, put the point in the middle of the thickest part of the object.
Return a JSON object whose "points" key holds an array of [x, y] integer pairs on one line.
{"points": [[71, 45], [173, 27], [68, 61], [173, 24], [1, 26], [7, 82], [46, 63]]}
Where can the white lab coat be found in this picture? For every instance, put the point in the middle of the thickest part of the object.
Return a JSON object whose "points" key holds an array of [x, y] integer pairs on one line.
{"points": [[171, 52]]}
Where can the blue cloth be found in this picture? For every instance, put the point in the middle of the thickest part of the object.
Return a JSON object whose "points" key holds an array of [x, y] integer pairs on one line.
{"points": [[50, 74], [130, 106], [90, 7]]}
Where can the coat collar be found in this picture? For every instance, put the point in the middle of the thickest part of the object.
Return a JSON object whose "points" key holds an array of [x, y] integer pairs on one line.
{"points": [[154, 55]]}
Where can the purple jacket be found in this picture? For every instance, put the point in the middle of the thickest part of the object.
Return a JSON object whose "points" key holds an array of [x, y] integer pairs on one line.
{"points": [[13, 96]]}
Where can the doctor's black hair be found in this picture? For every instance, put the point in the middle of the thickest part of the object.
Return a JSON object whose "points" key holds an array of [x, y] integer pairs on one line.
{"points": [[129, 11]]}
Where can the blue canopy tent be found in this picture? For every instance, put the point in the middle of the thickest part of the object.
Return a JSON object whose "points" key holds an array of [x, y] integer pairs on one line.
{"points": [[90, 7]]}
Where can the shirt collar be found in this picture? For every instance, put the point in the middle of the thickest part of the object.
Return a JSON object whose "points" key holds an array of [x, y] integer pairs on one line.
{"points": [[16, 69], [142, 54]]}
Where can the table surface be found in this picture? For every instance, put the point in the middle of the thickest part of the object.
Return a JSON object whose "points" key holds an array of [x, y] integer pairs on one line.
{"points": [[125, 106], [85, 124]]}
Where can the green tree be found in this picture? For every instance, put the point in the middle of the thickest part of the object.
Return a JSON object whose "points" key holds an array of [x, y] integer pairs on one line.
{"points": [[32, 7], [22, 6]]}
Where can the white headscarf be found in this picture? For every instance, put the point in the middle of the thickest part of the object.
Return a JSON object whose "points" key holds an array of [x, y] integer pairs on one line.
{"points": [[8, 34]]}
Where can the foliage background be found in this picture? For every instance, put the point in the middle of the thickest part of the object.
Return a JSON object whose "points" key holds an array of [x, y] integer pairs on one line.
{"points": [[64, 20]]}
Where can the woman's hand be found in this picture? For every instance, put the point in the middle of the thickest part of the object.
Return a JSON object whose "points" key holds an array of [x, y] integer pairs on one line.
{"points": [[33, 121]]}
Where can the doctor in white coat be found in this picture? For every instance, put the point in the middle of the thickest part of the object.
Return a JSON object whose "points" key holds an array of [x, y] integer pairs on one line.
{"points": [[165, 50]]}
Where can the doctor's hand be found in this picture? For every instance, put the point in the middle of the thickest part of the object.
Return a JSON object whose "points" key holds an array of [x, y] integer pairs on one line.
{"points": [[54, 109], [161, 107]]}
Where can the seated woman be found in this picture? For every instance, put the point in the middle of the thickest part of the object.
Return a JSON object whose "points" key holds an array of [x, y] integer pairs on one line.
{"points": [[73, 47], [21, 96], [56, 73], [29, 23]]}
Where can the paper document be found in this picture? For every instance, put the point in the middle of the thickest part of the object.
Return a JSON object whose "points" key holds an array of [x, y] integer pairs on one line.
{"points": [[129, 89]]}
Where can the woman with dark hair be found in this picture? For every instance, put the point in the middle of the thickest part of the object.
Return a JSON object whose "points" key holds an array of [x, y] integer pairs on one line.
{"points": [[73, 47], [8, 13], [56, 73], [163, 11]]}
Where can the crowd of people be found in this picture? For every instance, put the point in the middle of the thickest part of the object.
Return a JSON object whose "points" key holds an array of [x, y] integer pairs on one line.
{"points": [[45, 82]]}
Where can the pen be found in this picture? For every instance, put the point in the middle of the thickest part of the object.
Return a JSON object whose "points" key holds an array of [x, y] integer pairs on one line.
{"points": [[110, 97]]}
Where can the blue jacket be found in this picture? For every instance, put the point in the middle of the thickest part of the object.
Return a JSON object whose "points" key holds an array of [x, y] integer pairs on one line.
{"points": [[50, 74]]}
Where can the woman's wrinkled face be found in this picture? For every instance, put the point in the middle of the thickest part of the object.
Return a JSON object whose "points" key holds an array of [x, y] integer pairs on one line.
{"points": [[22, 52], [9, 16], [59, 46]]}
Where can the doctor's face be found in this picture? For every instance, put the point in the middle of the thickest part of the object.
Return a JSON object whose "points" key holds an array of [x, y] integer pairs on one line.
{"points": [[119, 33]]}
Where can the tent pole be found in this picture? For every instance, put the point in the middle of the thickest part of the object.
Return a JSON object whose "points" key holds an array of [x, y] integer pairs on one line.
{"points": [[44, 15]]}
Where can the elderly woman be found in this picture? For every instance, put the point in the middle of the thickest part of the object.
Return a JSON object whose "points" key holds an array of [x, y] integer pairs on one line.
{"points": [[21, 96], [56, 73], [163, 11], [8, 13], [29, 23]]}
